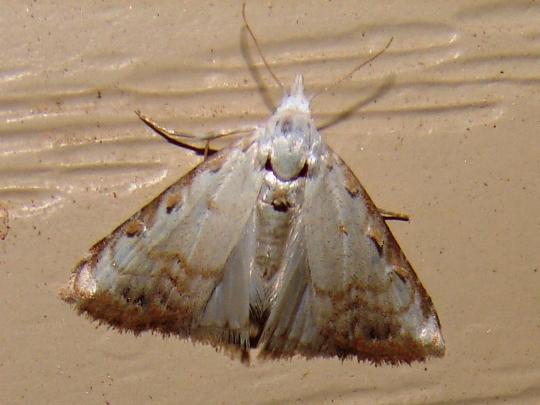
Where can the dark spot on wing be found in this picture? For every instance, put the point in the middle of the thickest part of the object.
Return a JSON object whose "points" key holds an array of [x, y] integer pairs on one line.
{"points": [[401, 273], [379, 246], [281, 204], [134, 228], [286, 126], [304, 171], [379, 331], [125, 293], [268, 165], [141, 301], [372, 333], [173, 201]]}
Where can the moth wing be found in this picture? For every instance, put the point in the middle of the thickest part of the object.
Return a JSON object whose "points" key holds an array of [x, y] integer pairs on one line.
{"points": [[347, 289], [178, 266]]}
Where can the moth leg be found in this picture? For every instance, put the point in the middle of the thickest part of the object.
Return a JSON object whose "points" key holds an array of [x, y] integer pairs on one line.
{"points": [[183, 139], [393, 216]]}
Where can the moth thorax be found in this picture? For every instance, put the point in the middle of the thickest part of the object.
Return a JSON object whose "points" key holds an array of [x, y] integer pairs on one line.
{"points": [[290, 146]]}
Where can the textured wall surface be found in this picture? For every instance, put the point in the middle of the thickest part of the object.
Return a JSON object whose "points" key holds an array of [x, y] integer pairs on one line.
{"points": [[448, 132]]}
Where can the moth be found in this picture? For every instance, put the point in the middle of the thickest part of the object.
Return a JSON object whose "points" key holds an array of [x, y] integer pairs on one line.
{"points": [[270, 243]]}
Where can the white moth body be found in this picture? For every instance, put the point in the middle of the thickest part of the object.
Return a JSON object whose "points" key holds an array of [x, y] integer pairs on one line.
{"points": [[288, 141], [270, 243]]}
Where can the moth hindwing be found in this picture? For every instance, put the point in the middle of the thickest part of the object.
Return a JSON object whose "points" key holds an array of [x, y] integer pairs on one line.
{"points": [[270, 243]]}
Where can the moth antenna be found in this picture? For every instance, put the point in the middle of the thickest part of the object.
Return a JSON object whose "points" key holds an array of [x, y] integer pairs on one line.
{"points": [[349, 75], [252, 35]]}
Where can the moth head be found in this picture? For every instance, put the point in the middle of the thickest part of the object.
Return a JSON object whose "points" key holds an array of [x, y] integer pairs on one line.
{"points": [[291, 132], [295, 99]]}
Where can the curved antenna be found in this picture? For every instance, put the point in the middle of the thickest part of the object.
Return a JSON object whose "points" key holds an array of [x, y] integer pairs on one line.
{"points": [[349, 75], [258, 47], [246, 46]]}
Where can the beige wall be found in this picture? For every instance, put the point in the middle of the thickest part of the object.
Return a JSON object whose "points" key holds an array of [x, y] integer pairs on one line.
{"points": [[452, 139]]}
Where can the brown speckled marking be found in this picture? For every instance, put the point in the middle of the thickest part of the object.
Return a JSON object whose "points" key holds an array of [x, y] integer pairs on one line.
{"points": [[351, 298], [211, 204], [134, 228], [179, 282], [281, 203], [402, 273], [345, 293], [215, 162], [377, 236], [343, 229], [173, 201], [149, 213], [178, 257], [95, 251], [351, 184], [280, 195], [396, 350], [114, 310]]}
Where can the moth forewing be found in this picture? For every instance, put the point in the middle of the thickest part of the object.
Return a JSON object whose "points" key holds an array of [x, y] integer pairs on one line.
{"points": [[163, 277]]}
